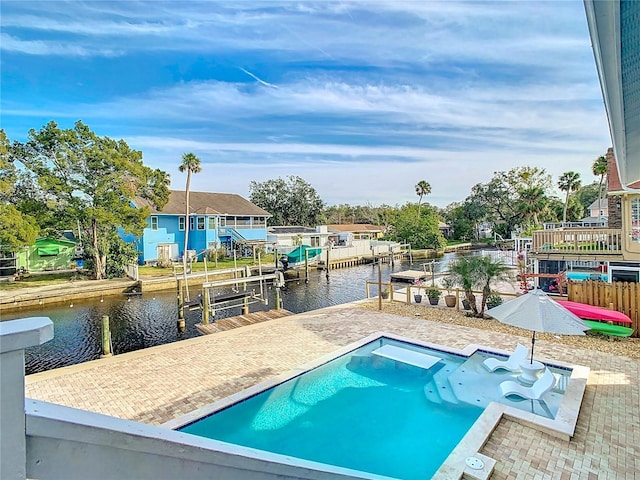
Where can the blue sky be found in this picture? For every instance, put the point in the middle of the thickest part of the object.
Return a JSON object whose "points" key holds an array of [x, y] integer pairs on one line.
{"points": [[361, 99]]}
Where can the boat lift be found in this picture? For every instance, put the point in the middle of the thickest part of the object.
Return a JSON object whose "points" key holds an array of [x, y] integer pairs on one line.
{"points": [[210, 299]]}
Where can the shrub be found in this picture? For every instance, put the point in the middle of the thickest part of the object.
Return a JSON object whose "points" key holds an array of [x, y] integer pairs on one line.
{"points": [[494, 300], [433, 293]]}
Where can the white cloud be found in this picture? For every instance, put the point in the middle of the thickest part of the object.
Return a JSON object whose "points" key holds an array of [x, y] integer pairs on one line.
{"points": [[371, 96]]}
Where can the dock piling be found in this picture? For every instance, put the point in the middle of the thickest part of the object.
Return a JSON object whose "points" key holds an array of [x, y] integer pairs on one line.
{"points": [[106, 337]]}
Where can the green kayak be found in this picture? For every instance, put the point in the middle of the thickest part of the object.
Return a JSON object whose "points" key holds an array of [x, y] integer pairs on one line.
{"points": [[609, 329]]}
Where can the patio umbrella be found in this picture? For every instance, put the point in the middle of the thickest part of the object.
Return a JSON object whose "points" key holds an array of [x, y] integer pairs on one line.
{"points": [[536, 311]]}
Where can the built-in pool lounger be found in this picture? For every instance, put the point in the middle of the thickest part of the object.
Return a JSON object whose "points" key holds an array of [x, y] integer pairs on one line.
{"points": [[399, 354]]}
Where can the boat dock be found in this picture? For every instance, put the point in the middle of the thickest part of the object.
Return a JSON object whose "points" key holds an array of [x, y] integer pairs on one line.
{"points": [[408, 276], [241, 320]]}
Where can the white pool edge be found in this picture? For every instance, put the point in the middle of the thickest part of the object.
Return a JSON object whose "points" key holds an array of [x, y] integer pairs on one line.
{"points": [[453, 468]]}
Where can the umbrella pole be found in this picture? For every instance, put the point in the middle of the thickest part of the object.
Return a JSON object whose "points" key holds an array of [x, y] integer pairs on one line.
{"points": [[533, 344]]}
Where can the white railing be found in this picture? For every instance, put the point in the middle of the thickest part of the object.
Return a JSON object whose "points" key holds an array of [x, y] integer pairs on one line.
{"points": [[578, 240]]}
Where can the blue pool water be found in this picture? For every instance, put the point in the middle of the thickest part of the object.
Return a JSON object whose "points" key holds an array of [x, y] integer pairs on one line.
{"points": [[587, 275], [359, 411]]}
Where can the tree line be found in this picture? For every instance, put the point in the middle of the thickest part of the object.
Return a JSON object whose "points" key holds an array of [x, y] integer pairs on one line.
{"points": [[68, 179]]}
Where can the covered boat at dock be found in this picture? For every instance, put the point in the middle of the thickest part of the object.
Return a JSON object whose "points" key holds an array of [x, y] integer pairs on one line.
{"points": [[298, 256]]}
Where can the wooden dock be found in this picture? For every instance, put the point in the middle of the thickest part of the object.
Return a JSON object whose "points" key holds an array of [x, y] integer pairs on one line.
{"points": [[408, 276], [241, 320]]}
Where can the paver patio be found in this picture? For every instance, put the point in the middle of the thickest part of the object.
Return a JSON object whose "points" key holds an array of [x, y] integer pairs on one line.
{"points": [[160, 383]]}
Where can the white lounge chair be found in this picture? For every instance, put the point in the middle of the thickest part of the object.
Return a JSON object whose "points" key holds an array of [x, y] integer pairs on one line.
{"points": [[512, 363], [535, 392]]}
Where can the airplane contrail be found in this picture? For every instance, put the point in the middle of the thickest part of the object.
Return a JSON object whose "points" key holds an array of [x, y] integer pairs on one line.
{"points": [[258, 79]]}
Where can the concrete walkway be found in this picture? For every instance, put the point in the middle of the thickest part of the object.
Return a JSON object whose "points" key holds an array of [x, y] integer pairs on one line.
{"points": [[158, 384]]}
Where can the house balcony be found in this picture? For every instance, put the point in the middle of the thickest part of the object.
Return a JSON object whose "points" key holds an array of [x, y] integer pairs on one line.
{"points": [[578, 241]]}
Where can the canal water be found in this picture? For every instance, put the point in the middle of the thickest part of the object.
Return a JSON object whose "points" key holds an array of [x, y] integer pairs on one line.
{"points": [[150, 319]]}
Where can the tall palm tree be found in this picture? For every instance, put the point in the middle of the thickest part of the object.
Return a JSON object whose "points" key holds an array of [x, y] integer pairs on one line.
{"points": [[191, 164], [422, 188], [568, 182], [600, 168]]}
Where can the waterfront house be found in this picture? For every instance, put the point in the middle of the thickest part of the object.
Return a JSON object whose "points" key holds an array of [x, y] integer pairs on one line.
{"points": [[344, 234], [216, 220], [610, 253], [287, 237]]}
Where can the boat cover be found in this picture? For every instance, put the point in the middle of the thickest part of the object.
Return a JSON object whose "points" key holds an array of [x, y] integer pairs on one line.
{"points": [[297, 255]]}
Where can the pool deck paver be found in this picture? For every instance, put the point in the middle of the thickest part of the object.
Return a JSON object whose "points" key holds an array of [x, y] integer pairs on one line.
{"points": [[158, 384]]}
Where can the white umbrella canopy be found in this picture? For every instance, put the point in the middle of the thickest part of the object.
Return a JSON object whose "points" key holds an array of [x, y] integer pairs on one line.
{"points": [[538, 312]]}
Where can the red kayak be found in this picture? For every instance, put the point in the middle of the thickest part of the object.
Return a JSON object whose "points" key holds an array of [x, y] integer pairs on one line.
{"points": [[591, 312]]}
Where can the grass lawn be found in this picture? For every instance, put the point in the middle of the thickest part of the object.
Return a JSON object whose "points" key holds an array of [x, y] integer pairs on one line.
{"points": [[58, 278], [42, 280], [266, 260]]}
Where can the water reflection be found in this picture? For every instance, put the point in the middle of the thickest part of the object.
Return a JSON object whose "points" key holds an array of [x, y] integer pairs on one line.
{"points": [[150, 319]]}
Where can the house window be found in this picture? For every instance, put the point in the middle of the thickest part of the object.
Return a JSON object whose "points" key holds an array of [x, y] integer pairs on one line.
{"points": [[243, 222], [154, 223], [191, 223], [181, 223], [212, 223], [200, 223], [315, 241], [259, 222], [223, 221]]}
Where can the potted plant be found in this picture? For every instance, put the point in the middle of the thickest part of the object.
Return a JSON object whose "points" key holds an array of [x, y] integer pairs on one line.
{"points": [[418, 296], [494, 300], [449, 282], [433, 294], [384, 293]]}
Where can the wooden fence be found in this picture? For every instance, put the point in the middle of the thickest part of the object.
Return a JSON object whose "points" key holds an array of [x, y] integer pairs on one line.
{"points": [[621, 296]]}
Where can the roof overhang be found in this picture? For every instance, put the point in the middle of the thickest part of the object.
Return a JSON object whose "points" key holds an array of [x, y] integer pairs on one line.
{"points": [[614, 35]]}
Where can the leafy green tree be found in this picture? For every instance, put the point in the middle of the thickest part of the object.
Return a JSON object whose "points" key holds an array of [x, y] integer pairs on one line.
{"points": [[190, 164], [500, 201], [532, 203], [585, 196], [420, 232], [92, 180], [290, 202], [16, 229], [600, 169], [568, 182], [463, 224], [422, 188]]}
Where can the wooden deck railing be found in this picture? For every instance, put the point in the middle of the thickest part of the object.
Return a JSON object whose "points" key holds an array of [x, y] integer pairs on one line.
{"points": [[603, 241]]}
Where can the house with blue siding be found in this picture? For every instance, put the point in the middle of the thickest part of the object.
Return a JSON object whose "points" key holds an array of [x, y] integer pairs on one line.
{"points": [[215, 220]]}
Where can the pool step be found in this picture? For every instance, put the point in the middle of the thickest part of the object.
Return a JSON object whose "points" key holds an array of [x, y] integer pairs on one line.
{"points": [[439, 390]]}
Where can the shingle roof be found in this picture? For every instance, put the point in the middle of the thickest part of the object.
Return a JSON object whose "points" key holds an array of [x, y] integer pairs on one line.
{"points": [[205, 203], [614, 184], [599, 203]]}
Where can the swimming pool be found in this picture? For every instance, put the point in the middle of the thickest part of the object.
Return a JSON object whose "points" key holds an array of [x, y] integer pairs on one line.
{"points": [[588, 276], [367, 412]]}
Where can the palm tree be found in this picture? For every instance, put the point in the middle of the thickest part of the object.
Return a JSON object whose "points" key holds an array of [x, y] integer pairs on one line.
{"points": [[600, 168], [533, 201], [477, 272], [568, 182], [491, 270], [422, 188], [465, 273], [191, 164]]}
